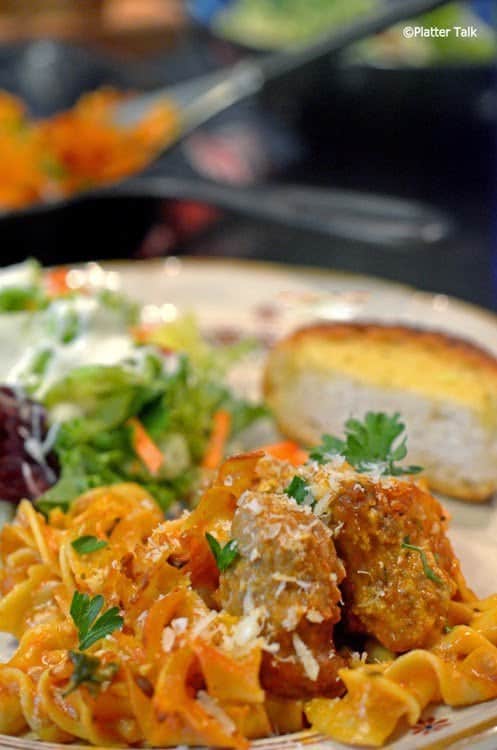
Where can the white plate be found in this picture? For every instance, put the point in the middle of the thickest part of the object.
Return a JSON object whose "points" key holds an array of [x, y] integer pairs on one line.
{"points": [[237, 298]]}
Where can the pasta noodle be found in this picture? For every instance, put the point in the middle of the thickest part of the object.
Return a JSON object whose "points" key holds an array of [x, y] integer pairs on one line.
{"points": [[183, 669], [459, 671]]}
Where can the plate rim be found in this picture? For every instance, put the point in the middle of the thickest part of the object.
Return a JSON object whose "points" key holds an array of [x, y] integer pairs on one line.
{"points": [[310, 271]]}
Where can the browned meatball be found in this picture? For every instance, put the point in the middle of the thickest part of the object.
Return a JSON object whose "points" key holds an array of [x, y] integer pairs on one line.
{"points": [[288, 569], [396, 593]]}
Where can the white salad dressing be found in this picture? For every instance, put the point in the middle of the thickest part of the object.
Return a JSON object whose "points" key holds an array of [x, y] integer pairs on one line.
{"points": [[101, 337], [22, 274]]}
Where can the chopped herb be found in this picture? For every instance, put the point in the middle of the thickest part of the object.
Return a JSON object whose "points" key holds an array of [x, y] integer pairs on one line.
{"points": [[53, 168], [86, 544], [330, 446], [120, 303], [299, 490], [41, 361], [369, 445], [16, 299], [33, 374], [89, 671], [224, 556], [429, 572], [84, 612], [70, 327], [448, 629]]}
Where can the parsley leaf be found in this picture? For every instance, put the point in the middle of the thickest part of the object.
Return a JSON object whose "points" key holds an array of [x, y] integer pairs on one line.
{"points": [[89, 671], [83, 545], [427, 570], [224, 556], [369, 444], [84, 612], [330, 446], [299, 490]]}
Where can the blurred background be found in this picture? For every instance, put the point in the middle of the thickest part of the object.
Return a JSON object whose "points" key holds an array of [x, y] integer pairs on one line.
{"points": [[409, 117]]}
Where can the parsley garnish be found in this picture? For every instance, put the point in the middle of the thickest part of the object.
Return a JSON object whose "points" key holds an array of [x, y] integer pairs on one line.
{"points": [[368, 445], [224, 556], [299, 490], [83, 545], [330, 446], [84, 612], [429, 572], [89, 671]]}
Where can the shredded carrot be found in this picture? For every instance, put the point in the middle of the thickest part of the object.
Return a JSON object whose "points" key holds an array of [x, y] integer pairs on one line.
{"points": [[145, 448], [287, 450], [76, 149], [141, 332], [220, 432], [56, 282]]}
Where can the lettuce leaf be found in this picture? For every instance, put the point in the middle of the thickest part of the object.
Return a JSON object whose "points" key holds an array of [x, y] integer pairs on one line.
{"points": [[174, 400]]}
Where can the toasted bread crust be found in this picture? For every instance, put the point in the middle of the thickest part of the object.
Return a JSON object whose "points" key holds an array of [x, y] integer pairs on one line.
{"points": [[447, 345], [449, 348]]}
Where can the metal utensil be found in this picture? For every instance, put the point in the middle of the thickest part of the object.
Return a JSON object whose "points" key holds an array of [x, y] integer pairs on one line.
{"points": [[198, 100], [378, 220], [346, 214]]}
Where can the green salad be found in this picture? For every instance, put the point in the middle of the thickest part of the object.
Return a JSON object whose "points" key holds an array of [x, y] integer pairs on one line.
{"points": [[115, 410]]}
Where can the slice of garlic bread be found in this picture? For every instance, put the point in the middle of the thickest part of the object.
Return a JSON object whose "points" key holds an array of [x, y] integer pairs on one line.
{"points": [[444, 388]]}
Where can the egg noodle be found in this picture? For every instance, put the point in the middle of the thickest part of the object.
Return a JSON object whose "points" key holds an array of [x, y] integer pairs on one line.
{"points": [[182, 669]]}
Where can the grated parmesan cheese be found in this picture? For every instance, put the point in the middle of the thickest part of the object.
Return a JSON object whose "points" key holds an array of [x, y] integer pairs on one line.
{"points": [[271, 648], [202, 624], [322, 505], [167, 640], [291, 620], [249, 627], [273, 531], [140, 620], [314, 616], [179, 624], [306, 658], [280, 589], [212, 707], [305, 585], [254, 505]]}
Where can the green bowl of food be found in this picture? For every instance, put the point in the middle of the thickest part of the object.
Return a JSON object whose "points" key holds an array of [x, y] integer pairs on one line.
{"points": [[458, 33]]}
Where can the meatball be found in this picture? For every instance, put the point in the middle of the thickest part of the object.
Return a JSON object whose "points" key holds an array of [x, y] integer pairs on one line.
{"points": [[401, 570], [288, 569]]}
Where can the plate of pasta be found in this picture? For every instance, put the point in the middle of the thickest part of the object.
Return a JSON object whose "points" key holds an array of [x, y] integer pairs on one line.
{"points": [[179, 568]]}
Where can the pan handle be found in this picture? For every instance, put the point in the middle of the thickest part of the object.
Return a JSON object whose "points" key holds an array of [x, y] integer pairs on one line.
{"points": [[379, 220]]}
